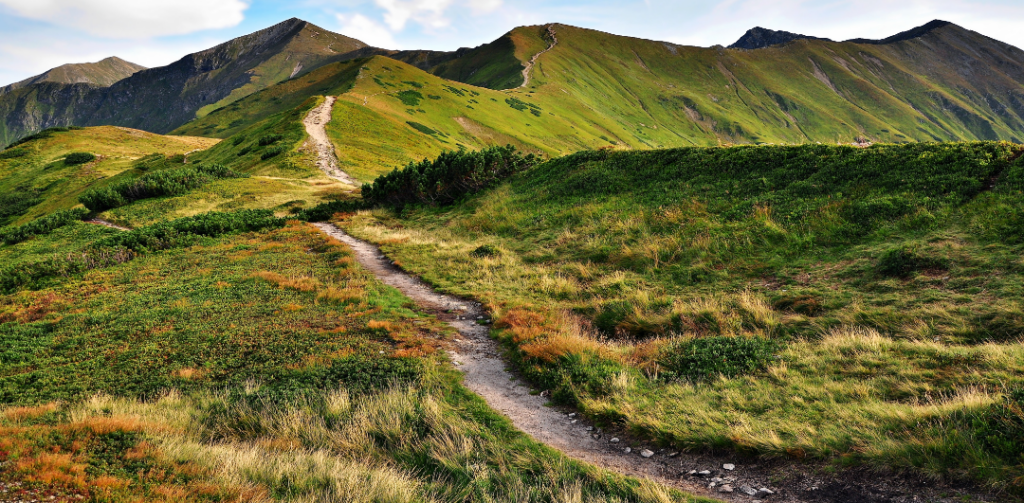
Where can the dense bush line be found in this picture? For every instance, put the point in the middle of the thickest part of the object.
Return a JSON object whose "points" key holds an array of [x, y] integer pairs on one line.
{"points": [[325, 211], [126, 246], [16, 203], [445, 179], [77, 158], [171, 182], [41, 226]]}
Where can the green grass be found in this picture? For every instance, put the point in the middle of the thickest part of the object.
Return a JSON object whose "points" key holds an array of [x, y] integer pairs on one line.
{"points": [[889, 278], [38, 181], [263, 364]]}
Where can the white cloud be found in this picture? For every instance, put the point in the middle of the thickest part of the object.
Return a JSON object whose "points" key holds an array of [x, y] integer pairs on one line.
{"points": [[137, 19], [367, 30], [428, 13]]}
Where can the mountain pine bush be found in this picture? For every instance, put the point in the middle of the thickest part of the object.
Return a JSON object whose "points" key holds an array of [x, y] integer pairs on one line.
{"points": [[170, 182], [41, 226], [444, 180]]}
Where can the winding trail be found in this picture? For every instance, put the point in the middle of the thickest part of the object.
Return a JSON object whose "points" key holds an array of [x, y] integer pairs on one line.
{"points": [[97, 221], [533, 61], [316, 127], [478, 356]]}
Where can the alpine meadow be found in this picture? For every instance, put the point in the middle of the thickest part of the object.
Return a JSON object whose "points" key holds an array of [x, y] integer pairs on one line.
{"points": [[564, 266]]}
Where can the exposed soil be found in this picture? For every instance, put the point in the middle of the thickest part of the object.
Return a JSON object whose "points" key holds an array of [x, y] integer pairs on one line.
{"points": [[316, 127], [96, 221], [486, 373], [529, 66]]}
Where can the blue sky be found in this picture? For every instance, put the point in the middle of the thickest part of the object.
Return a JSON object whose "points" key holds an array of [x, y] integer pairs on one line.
{"points": [[40, 34]]}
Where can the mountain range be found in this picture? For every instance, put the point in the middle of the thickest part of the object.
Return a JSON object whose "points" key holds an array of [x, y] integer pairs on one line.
{"points": [[586, 89]]}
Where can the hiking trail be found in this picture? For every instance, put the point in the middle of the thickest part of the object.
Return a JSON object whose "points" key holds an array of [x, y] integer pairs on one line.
{"points": [[729, 477], [316, 127], [533, 60]]}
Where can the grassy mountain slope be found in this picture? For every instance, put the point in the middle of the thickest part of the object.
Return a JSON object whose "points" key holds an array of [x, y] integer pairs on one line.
{"points": [[35, 180], [102, 73], [297, 377], [162, 99], [595, 90], [864, 305], [946, 83]]}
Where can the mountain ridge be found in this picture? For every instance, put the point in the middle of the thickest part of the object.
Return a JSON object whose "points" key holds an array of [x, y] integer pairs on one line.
{"points": [[103, 73]]}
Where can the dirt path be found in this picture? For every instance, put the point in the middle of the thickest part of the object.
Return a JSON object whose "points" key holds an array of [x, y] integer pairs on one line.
{"points": [[529, 66], [730, 478], [316, 127], [96, 221]]}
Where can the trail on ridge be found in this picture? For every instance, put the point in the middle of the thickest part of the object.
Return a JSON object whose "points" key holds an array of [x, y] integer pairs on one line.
{"points": [[533, 60], [316, 127]]}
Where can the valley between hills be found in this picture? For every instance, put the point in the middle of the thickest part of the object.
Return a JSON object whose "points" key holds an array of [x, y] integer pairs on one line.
{"points": [[563, 266]]}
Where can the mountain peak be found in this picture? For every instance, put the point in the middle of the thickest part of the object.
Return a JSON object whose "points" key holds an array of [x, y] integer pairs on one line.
{"points": [[758, 37], [918, 32], [102, 73]]}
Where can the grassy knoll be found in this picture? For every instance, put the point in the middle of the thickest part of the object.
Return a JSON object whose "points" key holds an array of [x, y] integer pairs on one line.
{"points": [[36, 179], [861, 306], [255, 366]]}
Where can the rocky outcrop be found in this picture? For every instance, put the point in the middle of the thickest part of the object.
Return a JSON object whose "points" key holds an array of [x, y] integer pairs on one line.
{"points": [[759, 38]]}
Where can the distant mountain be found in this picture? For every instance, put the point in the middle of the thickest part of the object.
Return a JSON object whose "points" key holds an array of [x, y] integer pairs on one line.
{"points": [[939, 82], [936, 82], [592, 90], [758, 38], [918, 32], [161, 99], [102, 73]]}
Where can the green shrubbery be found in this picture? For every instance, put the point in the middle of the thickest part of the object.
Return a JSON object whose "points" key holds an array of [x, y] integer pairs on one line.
{"points": [[904, 261], [269, 139], [77, 158], [324, 212], [271, 152], [16, 203], [171, 182], [125, 246], [13, 153], [447, 178], [709, 357], [185, 231], [41, 226]]}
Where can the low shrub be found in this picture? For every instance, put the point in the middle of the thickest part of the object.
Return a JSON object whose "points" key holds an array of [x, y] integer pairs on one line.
{"points": [[126, 246], [269, 139], [41, 226], [78, 158], [324, 212], [904, 261], [16, 203], [485, 251], [447, 178], [709, 357], [13, 153], [169, 182], [271, 153]]}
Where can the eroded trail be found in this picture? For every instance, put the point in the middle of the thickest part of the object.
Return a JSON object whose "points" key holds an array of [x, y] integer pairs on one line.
{"points": [[478, 355], [533, 61], [316, 127], [96, 221]]}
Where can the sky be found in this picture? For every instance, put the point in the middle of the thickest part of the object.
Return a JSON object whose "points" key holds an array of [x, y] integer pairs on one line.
{"points": [[36, 35]]}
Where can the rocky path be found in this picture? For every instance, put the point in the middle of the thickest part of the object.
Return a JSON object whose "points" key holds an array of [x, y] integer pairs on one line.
{"points": [[316, 127], [726, 478], [96, 221], [533, 61]]}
